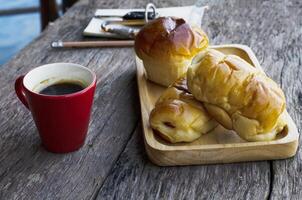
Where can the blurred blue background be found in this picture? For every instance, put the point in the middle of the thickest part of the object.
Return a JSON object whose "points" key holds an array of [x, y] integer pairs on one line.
{"points": [[17, 30]]}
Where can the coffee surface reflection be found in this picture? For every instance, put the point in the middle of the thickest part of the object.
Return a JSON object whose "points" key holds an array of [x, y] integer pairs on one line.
{"points": [[62, 88]]}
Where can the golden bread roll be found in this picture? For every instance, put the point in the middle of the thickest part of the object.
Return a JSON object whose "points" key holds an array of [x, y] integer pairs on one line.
{"points": [[237, 95], [178, 117], [166, 46]]}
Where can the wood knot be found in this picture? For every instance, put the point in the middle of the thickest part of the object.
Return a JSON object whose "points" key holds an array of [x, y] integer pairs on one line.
{"points": [[300, 98]]}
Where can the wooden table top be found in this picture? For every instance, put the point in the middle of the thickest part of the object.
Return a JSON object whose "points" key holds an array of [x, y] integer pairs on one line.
{"points": [[113, 164]]}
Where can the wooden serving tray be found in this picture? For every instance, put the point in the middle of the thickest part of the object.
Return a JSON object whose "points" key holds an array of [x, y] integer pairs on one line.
{"points": [[218, 146]]}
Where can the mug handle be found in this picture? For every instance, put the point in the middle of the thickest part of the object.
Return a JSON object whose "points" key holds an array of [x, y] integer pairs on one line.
{"points": [[19, 89]]}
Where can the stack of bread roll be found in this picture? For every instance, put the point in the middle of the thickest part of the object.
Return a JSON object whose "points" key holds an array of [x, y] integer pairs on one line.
{"points": [[206, 87]]}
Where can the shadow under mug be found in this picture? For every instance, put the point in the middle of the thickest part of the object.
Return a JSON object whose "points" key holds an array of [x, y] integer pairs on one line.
{"points": [[62, 120]]}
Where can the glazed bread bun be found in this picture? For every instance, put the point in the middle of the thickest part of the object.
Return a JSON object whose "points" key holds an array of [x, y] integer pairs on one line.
{"points": [[166, 46], [178, 117], [237, 95]]}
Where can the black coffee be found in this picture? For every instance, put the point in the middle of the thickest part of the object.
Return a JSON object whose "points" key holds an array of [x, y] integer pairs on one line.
{"points": [[62, 88]]}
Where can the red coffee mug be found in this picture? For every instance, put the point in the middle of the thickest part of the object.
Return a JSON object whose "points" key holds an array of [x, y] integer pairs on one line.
{"points": [[62, 120]]}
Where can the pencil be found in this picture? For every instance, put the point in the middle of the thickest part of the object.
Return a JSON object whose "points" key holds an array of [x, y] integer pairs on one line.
{"points": [[93, 44]]}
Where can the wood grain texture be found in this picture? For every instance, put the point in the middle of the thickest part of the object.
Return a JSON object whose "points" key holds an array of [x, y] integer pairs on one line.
{"points": [[271, 28], [135, 177], [287, 43], [263, 26], [27, 171]]}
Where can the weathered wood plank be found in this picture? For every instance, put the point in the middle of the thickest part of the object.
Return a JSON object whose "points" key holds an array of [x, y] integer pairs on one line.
{"points": [[271, 28], [287, 177], [29, 172], [134, 177], [267, 40]]}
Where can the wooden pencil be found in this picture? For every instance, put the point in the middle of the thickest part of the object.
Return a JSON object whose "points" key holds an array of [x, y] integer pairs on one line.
{"points": [[92, 44]]}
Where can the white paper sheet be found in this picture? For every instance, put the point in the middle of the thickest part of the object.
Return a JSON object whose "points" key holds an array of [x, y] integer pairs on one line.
{"points": [[94, 26]]}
